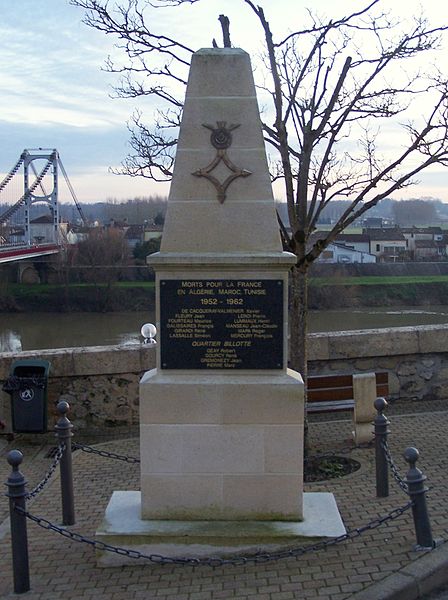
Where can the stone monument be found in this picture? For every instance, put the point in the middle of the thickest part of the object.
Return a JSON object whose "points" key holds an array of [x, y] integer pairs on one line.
{"points": [[221, 417]]}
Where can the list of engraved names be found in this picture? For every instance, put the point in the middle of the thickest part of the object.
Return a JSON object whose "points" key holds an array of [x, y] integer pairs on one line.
{"points": [[221, 323]]}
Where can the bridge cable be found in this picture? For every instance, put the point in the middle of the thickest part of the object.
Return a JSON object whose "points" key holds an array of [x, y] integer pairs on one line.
{"points": [[11, 173], [6, 215], [41, 185], [72, 191]]}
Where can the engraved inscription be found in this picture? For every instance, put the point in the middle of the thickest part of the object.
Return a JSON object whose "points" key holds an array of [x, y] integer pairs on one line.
{"points": [[221, 324]]}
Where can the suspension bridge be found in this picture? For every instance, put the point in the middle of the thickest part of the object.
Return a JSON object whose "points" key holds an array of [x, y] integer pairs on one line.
{"points": [[23, 234]]}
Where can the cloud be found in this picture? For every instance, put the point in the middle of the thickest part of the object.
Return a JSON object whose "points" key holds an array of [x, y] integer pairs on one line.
{"points": [[54, 93]]}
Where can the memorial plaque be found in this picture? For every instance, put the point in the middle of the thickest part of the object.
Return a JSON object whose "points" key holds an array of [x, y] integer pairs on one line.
{"points": [[221, 324]]}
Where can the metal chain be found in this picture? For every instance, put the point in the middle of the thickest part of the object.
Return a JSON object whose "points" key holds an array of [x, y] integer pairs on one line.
{"points": [[216, 561], [40, 486], [133, 460], [395, 472], [105, 454]]}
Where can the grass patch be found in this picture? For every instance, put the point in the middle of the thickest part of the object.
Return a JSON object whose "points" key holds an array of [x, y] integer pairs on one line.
{"points": [[346, 231], [378, 280], [25, 289]]}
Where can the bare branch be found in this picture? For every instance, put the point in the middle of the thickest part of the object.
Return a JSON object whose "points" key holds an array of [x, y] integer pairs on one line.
{"points": [[335, 24], [328, 81]]}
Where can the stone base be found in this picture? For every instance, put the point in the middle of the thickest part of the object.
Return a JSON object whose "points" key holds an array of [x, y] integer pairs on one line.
{"points": [[122, 526], [363, 433], [221, 446]]}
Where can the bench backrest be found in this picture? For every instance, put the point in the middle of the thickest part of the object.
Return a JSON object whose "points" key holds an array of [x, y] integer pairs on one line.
{"points": [[325, 388]]}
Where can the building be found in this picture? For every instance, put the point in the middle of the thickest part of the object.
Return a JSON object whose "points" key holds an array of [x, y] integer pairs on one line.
{"points": [[152, 232], [339, 253], [356, 241], [134, 234], [425, 243], [77, 234], [42, 230], [388, 245]]}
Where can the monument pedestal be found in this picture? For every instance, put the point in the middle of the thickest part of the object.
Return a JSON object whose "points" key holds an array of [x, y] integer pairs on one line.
{"points": [[123, 527], [221, 446], [218, 441]]}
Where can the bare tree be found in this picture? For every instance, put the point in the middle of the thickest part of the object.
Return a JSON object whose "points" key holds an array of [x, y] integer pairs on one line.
{"points": [[333, 86], [102, 253]]}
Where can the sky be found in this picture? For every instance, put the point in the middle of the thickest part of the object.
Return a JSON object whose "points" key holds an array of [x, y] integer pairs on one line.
{"points": [[56, 94]]}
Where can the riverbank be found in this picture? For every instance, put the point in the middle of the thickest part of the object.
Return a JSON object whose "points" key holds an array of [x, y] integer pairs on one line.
{"points": [[393, 291], [118, 296], [324, 293]]}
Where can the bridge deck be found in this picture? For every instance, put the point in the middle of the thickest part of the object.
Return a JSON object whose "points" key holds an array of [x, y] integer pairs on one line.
{"points": [[13, 253]]}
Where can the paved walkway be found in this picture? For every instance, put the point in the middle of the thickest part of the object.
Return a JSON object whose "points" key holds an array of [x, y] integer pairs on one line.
{"points": [[378, 565]]}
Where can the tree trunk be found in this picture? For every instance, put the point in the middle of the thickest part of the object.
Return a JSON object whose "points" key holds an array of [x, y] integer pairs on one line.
{"points": [[298, 347], [298, 354]]}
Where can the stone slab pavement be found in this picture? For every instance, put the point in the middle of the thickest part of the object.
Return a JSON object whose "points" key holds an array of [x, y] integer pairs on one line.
{"points": [[379, 564]]}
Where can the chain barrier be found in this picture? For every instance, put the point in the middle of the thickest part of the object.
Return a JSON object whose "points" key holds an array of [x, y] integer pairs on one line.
{"points": [[211, 561], [133, 460], [40, 486], [394, 469], [105, 454]]}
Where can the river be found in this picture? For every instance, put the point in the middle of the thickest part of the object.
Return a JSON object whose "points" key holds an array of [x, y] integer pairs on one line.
{"points": [[19, 331]]}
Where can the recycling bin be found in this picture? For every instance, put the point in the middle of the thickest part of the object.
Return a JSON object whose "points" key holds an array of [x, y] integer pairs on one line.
{"points": [[27, 386]]}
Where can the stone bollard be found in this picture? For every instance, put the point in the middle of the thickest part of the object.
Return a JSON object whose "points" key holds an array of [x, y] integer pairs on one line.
{"points": [[364, 394], [64, 434], [19, 538], [381, 429], [417, 493]]}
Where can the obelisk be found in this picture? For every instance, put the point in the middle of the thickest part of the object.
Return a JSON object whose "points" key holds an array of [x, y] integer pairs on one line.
{"points": [[221, 417]]}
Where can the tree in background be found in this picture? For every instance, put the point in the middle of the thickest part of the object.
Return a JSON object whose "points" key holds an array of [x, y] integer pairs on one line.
{"points": [[103, 247], [331, 88], [415, 212], [136, 211], [100, 252], [159, 219], [143, 249]]}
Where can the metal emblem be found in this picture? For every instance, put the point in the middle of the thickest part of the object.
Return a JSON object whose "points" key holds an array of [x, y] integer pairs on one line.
{"points": [[221, 139], [27, 394]]}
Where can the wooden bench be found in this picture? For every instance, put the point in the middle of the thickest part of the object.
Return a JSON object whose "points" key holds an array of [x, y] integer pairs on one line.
{"points": [[357, 393]]}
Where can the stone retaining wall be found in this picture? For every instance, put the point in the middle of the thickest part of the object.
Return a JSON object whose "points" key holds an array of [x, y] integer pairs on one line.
{"points": [[378, 269], [416, 358], [101, 383]]}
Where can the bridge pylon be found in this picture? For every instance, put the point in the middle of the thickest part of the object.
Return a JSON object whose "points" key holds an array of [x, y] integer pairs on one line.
{"points": [[33, 193]]}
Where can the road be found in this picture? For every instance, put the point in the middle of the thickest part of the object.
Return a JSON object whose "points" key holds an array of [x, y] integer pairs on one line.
{"points": [[439, 594]]}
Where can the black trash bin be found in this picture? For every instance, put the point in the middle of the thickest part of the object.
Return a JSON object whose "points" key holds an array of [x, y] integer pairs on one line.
{"points": [[27, 385]]}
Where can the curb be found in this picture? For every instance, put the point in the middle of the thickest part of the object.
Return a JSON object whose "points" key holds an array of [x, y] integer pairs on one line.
{"points": [[413, 581]]}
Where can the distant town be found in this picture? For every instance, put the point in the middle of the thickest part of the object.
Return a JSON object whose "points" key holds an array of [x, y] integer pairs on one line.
{"points": [[393, 231]]}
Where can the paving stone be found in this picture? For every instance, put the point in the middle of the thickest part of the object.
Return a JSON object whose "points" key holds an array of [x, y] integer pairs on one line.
{"points": [[62, 569]]}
